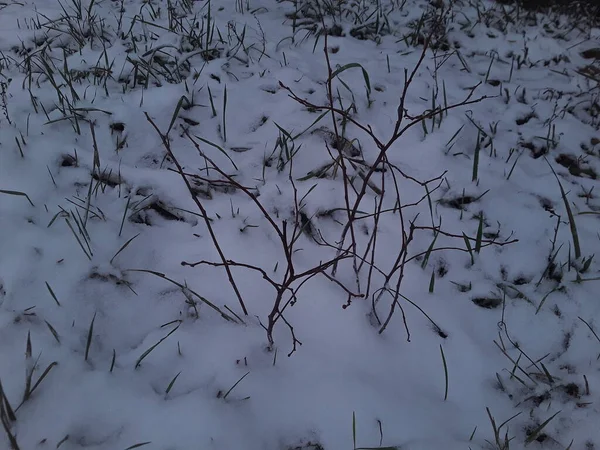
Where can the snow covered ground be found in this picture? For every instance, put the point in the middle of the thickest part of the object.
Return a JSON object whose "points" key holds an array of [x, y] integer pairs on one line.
{"points": [[216, 235]]}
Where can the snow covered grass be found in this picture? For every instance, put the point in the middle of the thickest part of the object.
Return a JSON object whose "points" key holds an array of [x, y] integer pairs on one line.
{"points": [[302, 224]]}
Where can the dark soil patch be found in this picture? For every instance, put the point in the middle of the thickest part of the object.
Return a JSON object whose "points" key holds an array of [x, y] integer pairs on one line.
{"points": [[592, 53], [536, 151], [521, 280], [523, 120], [571, 389], [487, 302], [160, 209], [459, 202], [118, 127], [576, 166], [68, 161]]}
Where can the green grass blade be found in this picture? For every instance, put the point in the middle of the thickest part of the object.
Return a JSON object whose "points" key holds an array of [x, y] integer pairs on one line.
{"points": [[52, 293], [218, 147], [430, 249], [445, 373], [78, 240], [224, 113], [432, 282], [53, 331], [479, 238], [236, 383], [141, 444], [354, 429], [469, 248], [572, 224], [124, 215], [353, 65], [170, 386], [147, 352], [44, 375], [123, 247], [18, 193], [535, 433], [476, 158], [176, 112], [89, 338], [112, 361]]}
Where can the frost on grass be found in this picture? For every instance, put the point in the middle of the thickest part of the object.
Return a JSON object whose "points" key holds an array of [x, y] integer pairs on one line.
{"points": [[302, 224]]}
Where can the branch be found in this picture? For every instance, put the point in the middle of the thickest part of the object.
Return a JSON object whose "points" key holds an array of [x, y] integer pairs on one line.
{"points": [[167, 145]]}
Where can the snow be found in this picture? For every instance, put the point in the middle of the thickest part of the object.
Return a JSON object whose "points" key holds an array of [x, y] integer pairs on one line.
{"points": [[392, 382]]}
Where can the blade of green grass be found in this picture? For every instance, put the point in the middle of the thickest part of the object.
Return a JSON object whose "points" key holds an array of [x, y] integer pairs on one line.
{"points": [[20, 194], [350, 66], [469, 248], [479, 238], [236, 383], [123, 247], [147, 352], [141, 444], [52, 293], [176, 112], [535, 433], [89, 338], [572, 224], [445, 373], [44, 375], [53, 331], [354, 429], [170, 386], [224, 113]]}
